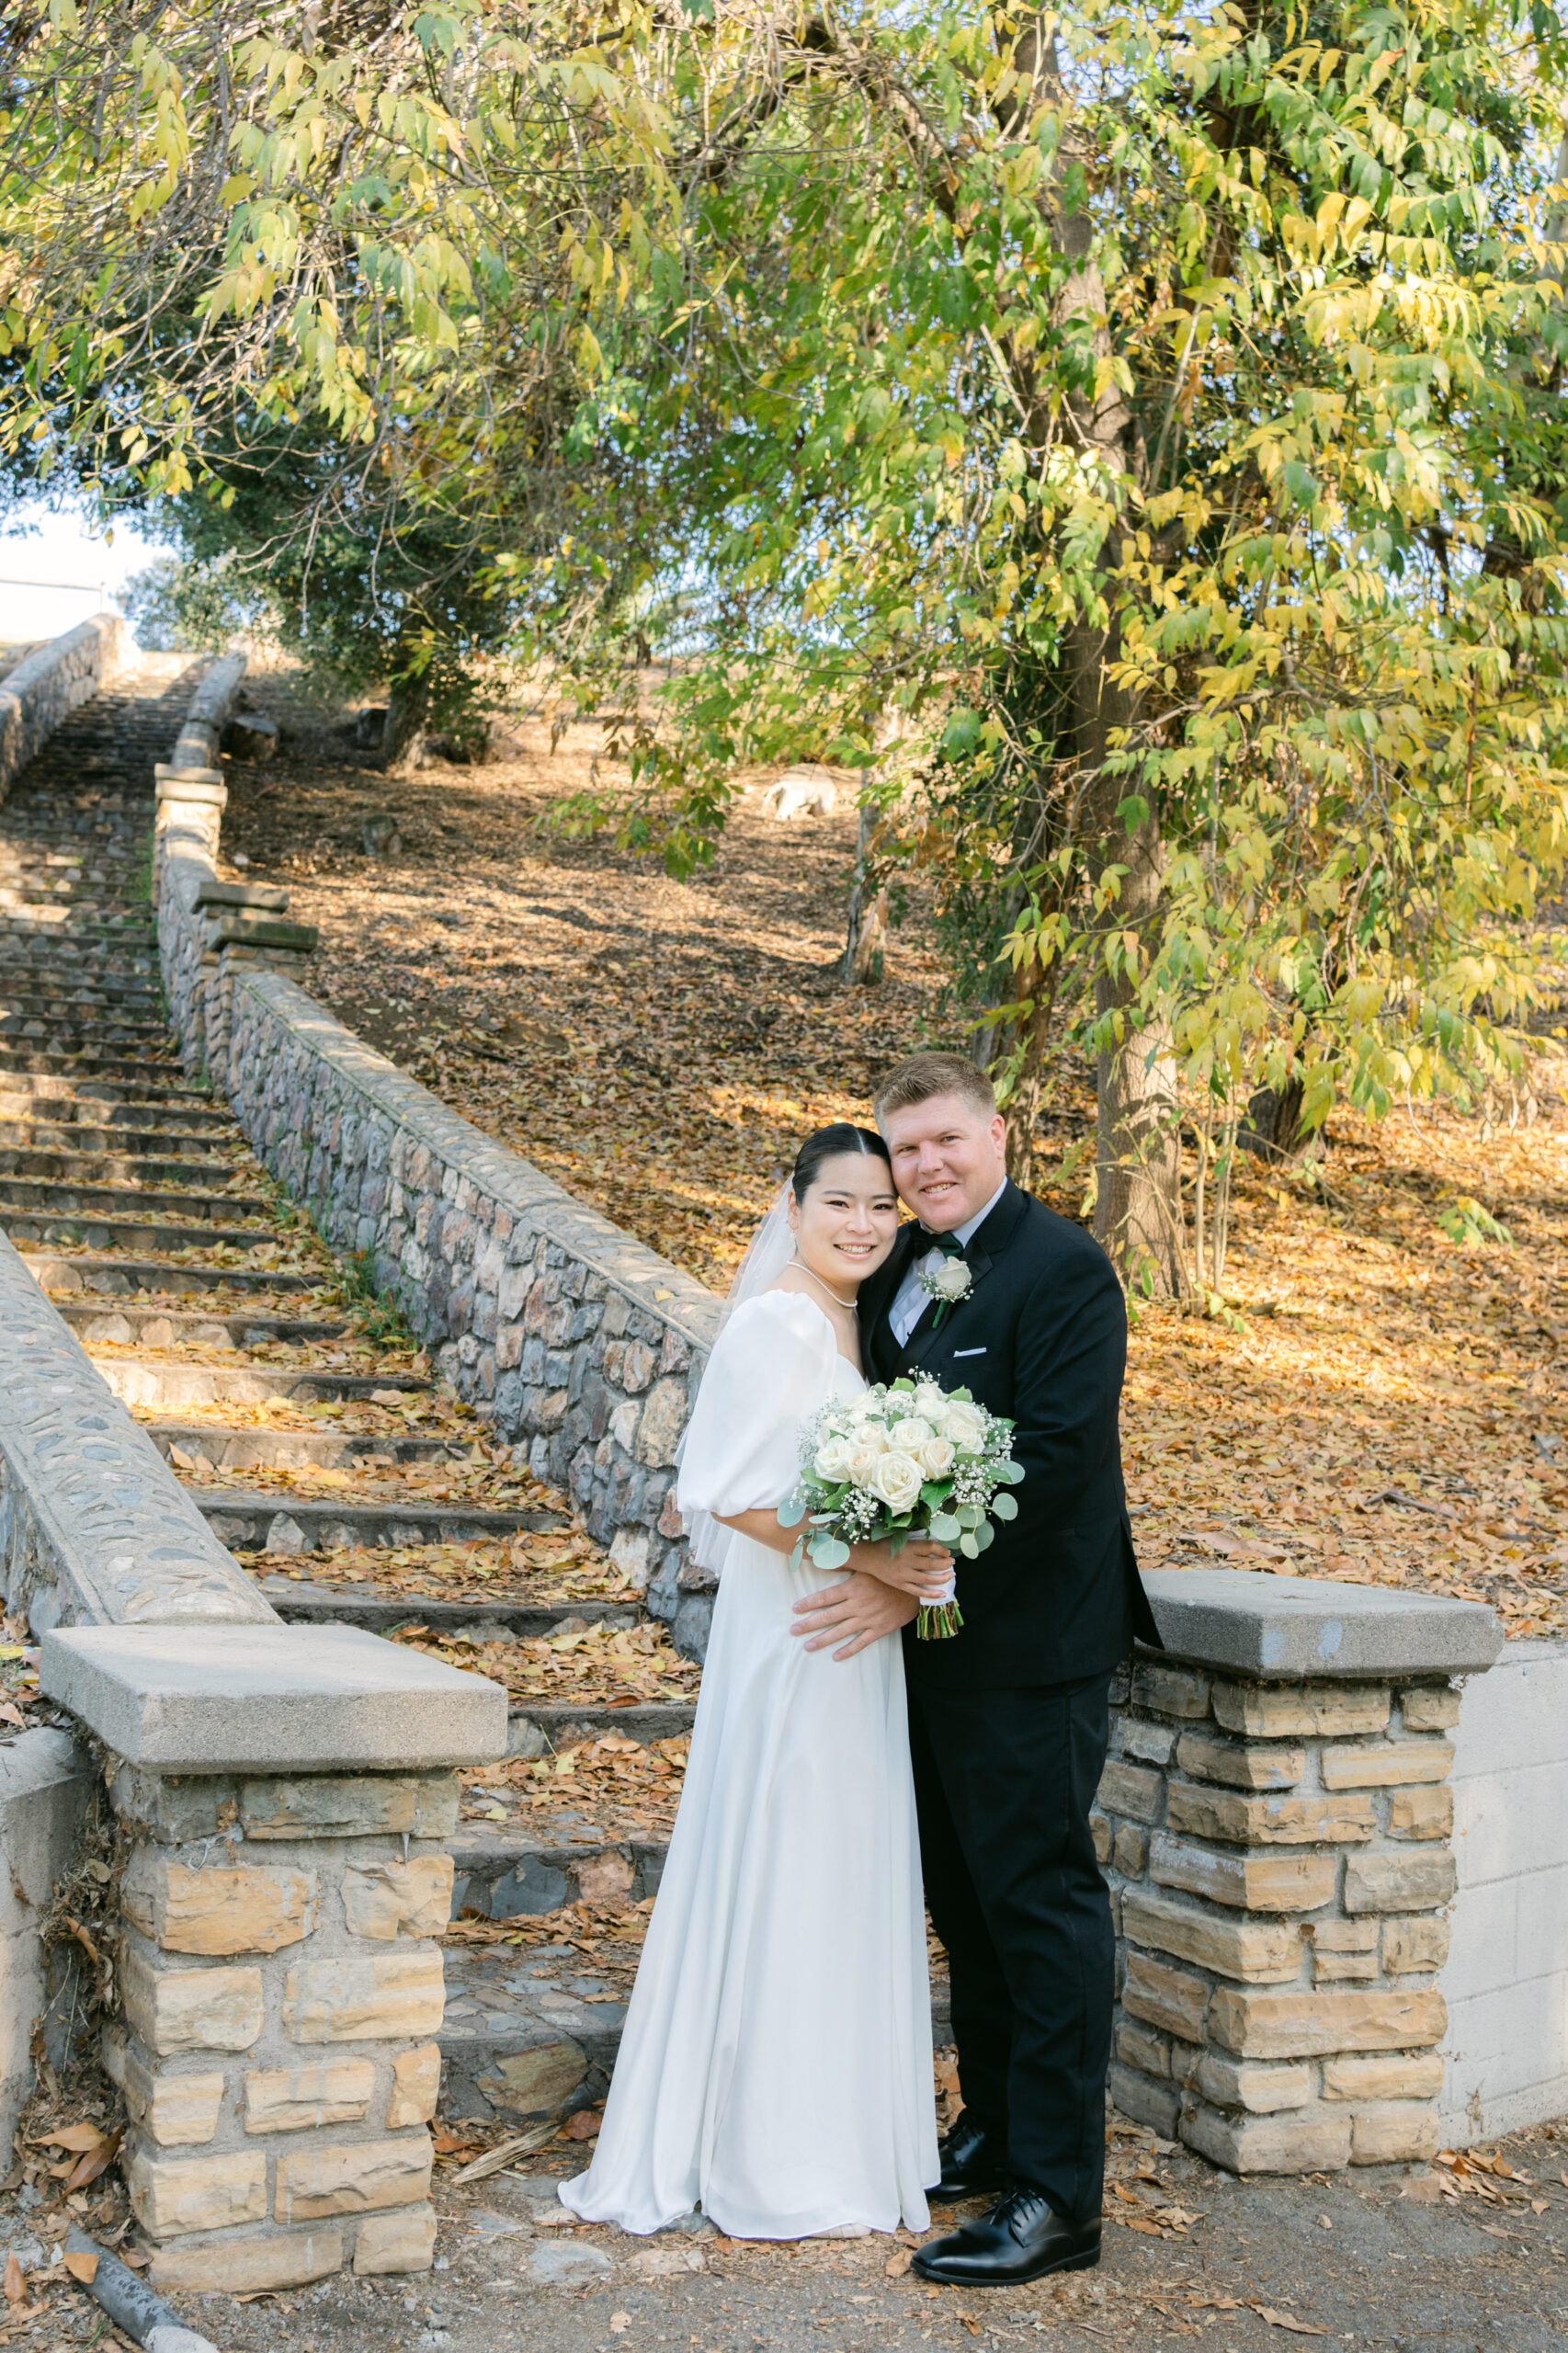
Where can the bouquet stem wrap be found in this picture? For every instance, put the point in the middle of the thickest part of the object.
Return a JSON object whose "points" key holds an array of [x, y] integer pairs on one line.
{"points": [[905, 1459]]}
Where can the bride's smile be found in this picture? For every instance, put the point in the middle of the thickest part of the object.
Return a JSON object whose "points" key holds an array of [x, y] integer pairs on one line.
{"points": [[845, 1222]]}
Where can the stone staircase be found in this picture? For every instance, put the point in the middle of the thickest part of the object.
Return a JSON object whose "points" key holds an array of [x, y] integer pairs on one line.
{"points": [[301, 1418]]}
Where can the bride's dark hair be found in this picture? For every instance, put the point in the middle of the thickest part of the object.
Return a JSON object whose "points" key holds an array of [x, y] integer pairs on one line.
{"points": [[830, 1144]]}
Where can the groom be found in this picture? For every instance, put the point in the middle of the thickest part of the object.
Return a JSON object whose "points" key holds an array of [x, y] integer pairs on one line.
{"points": [[1008, 1721]]}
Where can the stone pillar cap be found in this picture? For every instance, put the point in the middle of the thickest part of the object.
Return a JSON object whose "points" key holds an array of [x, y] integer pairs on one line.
{"points": [[1288, 1629], [270, 1699], [205, 785]]}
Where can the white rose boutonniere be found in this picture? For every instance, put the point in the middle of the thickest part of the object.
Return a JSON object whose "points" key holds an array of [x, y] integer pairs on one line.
{"points": [[947, 1282]]}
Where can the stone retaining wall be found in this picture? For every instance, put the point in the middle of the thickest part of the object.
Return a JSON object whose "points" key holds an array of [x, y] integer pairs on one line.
{"points": [[48, 683], [575, 1341]]}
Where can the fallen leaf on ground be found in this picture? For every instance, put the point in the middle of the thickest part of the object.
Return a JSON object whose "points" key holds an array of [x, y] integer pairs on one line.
{"points": [[82, 2265], [583, 2125], [1287, 2320], [95, 2160], [15, 2285], [897, 2265], [618, 2321], [72, 2136]]}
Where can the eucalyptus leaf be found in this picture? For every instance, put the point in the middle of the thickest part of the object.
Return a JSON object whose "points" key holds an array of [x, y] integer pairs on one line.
{"points": [[828, 1552], [1004, 1507], [969, 1548]]}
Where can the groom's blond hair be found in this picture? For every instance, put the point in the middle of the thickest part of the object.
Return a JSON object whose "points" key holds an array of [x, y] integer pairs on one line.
{"points": [[919, 1076]]}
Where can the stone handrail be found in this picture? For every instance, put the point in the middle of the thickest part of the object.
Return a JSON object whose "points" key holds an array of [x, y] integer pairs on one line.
{"points": [[572, 1337], [48, 683], [98, 1530]]}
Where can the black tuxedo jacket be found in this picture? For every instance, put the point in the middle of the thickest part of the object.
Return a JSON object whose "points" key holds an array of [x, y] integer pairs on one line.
{"points": [[1043, 1338]]}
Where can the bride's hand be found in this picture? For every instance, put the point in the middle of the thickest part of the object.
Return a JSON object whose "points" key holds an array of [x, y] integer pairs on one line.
{"points": [[921, 1569]]}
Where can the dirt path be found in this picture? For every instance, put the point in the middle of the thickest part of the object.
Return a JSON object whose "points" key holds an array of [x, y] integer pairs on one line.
{"points": [[1373, 2259]]}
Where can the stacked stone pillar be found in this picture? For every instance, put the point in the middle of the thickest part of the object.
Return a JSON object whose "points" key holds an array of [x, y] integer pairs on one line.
{"points": [[1277, 1846], [280, 1978], [282, 1991]]}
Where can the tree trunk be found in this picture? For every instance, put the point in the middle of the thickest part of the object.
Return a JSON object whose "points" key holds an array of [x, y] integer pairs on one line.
{"points": [[1272, 1129], [1137, 1128], [1022, 1108], [1138, 1136], [865, 948], [402, 734]]}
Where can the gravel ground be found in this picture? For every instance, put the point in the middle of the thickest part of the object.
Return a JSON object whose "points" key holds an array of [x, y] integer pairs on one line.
{"points": [[1377, 2257]]}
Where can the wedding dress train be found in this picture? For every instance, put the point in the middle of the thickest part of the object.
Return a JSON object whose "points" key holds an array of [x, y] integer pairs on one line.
{"points": [[776, 2063]]}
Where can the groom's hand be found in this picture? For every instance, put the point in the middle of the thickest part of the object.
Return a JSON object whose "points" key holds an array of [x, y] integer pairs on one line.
{"points": [[854, 1614]]}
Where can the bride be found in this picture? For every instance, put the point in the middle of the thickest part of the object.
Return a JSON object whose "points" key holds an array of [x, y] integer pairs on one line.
{"points": [[776, 2065]]}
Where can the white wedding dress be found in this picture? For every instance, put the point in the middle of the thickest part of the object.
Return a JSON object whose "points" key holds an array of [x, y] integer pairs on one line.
{"points": [[776, 2066]]}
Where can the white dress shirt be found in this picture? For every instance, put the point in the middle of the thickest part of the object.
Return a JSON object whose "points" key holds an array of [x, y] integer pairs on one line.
{"points": [[910, 1302]]}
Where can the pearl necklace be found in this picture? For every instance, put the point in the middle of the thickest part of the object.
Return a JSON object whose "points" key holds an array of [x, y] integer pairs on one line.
{"points": [[846, 1303]]}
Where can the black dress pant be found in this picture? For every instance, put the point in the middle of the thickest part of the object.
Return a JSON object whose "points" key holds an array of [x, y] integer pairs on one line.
{"points": [[1003, 1781]]}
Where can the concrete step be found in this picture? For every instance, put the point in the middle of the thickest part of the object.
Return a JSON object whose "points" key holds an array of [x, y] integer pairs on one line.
{"points": [[163, 1327], [120, 1277], [249, 1523], [35, 1230], [92, 1110], [167, 1386], [110, 1165], [502, 1873], [144, 1080], [81, 1000], [512, 2008], [63, 1125], [324, 1605], [60, 1199], [229, 1447], [564, 1723]]}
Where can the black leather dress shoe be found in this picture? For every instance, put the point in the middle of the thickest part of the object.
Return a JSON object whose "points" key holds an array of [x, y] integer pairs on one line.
{"points": [[972, 2162], [1022, 2238]]}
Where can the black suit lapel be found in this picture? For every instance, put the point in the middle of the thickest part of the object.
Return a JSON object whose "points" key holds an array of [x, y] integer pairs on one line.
{"points": [[985, 1247]]}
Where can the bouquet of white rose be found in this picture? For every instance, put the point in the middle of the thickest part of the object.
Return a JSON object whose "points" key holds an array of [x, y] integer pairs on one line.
{"points": [[907, 1459]]}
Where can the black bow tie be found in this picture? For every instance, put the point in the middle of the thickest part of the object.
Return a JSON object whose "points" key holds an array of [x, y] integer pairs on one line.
{"points": [[947, 1243]]}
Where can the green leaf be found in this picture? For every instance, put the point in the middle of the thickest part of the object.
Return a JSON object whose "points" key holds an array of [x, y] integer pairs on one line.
{"points": [[1004, 1508], [828, 1552], [792, 1510]]}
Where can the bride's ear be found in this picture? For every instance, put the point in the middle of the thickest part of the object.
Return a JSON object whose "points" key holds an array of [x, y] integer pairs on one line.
{"points": [[792, 1211]]}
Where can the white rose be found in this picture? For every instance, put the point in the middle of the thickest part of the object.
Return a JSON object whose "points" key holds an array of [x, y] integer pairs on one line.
{"points": [[896, 1479], [873, 1436], [834, 1458], [860, 1409], [863, 1461], [951, 1279], [966, 1427], [936, 1457], [930, 1402], [910, 1434]]}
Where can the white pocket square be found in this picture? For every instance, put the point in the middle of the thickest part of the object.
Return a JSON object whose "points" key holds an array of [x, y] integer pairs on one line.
{"points": [[967, 1352]]}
